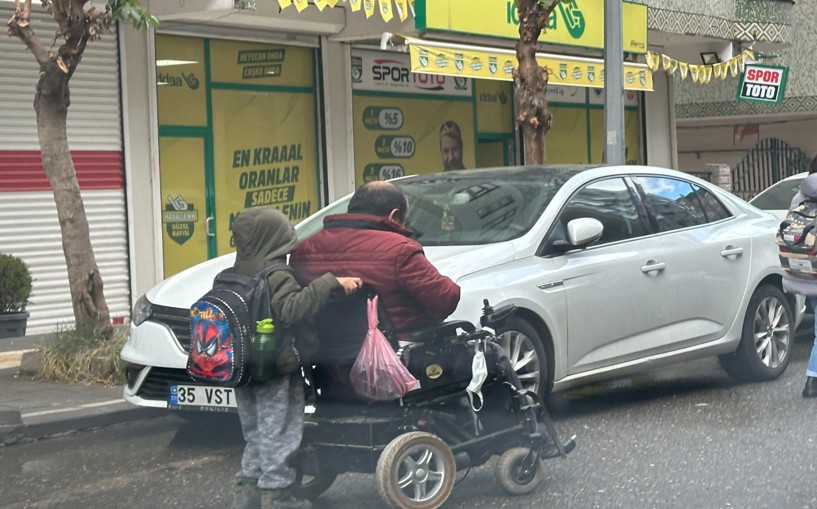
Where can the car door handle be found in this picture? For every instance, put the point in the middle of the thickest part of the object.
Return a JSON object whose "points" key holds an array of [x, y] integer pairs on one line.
{"points": [[732, 251], [653, 266]]}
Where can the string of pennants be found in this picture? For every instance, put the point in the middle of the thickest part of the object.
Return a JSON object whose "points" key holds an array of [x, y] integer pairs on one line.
{"points": [[700, 73], [401, 8]]}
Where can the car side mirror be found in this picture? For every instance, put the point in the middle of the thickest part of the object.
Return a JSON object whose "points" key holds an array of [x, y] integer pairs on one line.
{"points": [[584, 231]]}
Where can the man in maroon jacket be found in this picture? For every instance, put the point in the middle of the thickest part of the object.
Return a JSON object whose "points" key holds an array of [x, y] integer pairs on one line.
{"points": [[371, 242]]}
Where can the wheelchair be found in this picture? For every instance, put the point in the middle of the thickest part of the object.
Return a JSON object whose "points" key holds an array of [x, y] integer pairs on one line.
{"points": [[416, 446]]}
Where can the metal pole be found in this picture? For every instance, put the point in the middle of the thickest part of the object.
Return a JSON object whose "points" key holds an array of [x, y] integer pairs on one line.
{"points": [[613, 83]]}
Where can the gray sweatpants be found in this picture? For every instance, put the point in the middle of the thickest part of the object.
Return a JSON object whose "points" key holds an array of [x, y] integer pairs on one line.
{"points": [[272, 419]]}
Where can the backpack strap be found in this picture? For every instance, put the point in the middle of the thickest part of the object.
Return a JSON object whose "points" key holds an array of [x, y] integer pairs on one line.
{"points": [[275, 265]]}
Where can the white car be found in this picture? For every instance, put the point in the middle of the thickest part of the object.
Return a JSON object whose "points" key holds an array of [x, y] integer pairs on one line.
{"points": [[777, 198], [614, 270]]}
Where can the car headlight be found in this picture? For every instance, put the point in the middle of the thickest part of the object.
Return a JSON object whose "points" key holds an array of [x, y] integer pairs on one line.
{"points": [[141, 310]]}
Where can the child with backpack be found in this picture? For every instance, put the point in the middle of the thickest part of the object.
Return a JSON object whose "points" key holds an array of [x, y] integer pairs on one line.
{"points": [[804, 284], [271, 413]]}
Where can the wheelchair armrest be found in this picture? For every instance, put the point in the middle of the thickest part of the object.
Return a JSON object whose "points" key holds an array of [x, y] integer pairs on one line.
{"points": [[445, 329]]}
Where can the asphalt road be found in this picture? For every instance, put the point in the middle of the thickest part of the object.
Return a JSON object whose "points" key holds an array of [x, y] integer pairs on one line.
{"points": [[684, 438]]}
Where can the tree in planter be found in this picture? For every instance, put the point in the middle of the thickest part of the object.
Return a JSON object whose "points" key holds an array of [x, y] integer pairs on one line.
{"points": [[78, 23], [15, 284], [531, 79]]}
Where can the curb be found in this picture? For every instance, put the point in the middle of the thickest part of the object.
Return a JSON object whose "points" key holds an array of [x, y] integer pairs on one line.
{"points": [[13, 358]]}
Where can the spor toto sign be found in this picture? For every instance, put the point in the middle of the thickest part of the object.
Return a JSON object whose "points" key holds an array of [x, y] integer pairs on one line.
{"points": [[762, 83]]}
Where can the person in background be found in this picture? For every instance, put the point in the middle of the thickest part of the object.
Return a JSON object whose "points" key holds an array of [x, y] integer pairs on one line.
{"points": [[451, 146], [806, 287], [272, 413]]}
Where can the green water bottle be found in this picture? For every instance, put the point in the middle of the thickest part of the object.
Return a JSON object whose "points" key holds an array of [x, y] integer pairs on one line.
{"points": [[263, 355]]}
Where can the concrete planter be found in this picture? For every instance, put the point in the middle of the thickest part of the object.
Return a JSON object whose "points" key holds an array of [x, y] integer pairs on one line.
{"points": [[13, 325]]}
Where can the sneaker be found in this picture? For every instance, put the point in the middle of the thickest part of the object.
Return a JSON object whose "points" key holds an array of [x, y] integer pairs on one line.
{"points": [[282, 499], [246, 494]]}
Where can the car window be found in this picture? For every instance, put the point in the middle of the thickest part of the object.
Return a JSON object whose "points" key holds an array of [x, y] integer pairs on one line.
{"points": [[476, 208], [778, 196], [609, 201], [712, 206], [672, 202]]}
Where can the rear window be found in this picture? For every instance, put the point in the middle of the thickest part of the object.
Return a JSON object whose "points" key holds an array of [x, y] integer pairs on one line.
{"points": [[779, 196]]}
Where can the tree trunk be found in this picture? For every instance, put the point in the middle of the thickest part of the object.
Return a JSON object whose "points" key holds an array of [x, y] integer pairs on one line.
{"points": [[51, 104], [531, 80]]}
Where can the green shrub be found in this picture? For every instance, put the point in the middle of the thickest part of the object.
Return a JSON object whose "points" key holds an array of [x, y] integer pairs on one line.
{"points": [[15, 284]]}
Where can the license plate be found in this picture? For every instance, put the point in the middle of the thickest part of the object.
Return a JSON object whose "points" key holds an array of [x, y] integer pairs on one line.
{"points": [[794, 263], [214, 399]]}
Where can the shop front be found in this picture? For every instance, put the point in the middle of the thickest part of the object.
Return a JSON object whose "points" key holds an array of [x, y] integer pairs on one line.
{"points": [[297, 115], [237, 129]]}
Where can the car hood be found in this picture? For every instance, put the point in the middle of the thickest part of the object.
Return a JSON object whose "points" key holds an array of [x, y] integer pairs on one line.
{"points": [[184, 288], [459, 261]]}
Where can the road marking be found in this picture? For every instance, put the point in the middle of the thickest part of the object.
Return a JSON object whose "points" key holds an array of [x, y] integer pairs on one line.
{"points": [[72, 409]]}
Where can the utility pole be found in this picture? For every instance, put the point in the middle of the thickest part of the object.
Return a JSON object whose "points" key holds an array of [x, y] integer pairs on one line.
{"points": [[613, 83]]}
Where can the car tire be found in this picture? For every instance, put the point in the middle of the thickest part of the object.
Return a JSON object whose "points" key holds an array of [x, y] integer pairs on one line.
{"points": [[526, 351], [764, 351]]}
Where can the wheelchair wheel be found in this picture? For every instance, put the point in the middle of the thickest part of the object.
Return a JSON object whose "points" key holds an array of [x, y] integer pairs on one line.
{"points": [[311, 487], [416, 471], [514, 476]]}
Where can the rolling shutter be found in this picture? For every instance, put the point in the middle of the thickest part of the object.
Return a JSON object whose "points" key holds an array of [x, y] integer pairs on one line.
{"points": [[28, 216]]}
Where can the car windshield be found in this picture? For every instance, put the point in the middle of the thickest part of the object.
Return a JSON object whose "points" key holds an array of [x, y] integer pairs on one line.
{"points": [[779, 196], [469, 207], [480, 206]]}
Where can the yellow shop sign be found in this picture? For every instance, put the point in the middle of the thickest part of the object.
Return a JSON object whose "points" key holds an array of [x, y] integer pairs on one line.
{"points": [[577, 23], [497, 64]]}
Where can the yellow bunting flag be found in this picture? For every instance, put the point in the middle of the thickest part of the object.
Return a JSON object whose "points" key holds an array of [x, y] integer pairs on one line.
{"points": [[355, 5], [666, 62], [693, 72], [368, 8], [332, 3], [402, 9], [300, 5], [707, 74], [385, 10], [733, 67], [718, 71], [321, 4], [652, 61], [284, 3], [684, 68], [673, 67]]}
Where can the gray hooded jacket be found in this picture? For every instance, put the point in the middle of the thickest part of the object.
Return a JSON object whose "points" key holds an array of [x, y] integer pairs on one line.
{"points": [[794, 284], [263, 235]]}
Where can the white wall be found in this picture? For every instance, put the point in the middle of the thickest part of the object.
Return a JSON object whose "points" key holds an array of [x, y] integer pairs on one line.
{"points": [[660, 123], [140, 159], [337, 97]]}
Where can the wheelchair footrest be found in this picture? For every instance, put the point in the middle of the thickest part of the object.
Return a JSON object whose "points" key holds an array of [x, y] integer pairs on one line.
{"points": [[551, 451]]}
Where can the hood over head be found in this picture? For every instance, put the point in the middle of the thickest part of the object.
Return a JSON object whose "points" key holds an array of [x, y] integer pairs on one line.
{"points": [[808, 187], [262, 235]]}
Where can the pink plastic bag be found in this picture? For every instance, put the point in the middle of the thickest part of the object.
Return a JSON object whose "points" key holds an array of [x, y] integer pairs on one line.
{"points": [[378, 374]]}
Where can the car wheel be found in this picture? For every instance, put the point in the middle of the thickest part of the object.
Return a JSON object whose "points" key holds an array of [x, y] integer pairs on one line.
{"points": [[527, 354], [765, 346]]}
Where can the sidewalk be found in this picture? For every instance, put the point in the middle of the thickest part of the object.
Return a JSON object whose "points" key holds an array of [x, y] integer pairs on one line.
{"points": [[33, 409]]}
